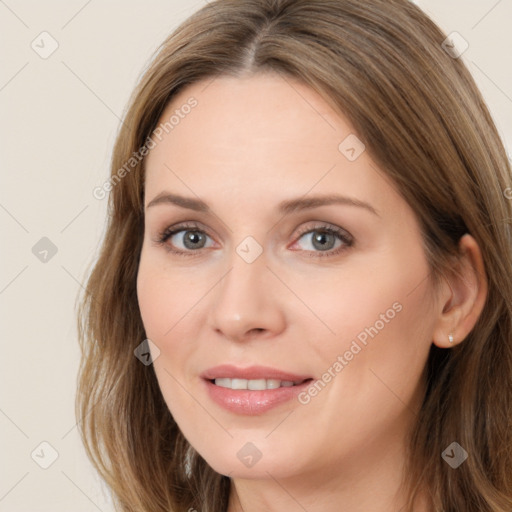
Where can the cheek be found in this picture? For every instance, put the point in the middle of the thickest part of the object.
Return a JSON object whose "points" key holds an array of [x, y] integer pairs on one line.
{"points": [[153, 302], [371, 294], [168, 302], [163, 296], [380, 319], [164, 315]]}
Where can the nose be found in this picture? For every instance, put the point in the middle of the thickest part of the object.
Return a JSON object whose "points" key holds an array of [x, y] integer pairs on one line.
{"points": [[246, 302]]}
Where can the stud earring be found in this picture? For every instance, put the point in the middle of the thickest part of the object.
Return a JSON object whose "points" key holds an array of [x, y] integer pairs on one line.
{"points": [[450, 338]]}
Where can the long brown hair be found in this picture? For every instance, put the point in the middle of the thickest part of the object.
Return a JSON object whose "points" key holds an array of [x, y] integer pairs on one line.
{"points": [[381, 64]]}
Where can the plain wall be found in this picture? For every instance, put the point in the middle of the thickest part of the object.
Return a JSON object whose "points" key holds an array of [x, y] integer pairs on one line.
{"points": [[59, 117]]}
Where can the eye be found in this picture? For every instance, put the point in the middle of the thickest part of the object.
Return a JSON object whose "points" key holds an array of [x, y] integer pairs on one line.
{"points": [[327, 239], [320, 240], [184, 239]]}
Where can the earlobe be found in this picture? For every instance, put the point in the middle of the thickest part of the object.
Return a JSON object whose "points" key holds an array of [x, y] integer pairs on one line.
{"points": [[462, 297]]}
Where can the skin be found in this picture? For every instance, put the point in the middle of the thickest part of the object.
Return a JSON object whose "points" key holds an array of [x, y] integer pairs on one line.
{"points": [[249, 144]]}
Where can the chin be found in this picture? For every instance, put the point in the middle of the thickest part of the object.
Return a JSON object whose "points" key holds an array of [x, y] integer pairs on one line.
{"points": [[244, 463]]}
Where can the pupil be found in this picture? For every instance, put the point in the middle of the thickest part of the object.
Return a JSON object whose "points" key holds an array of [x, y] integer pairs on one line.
{"points": [[192, 239], [321, 239]]}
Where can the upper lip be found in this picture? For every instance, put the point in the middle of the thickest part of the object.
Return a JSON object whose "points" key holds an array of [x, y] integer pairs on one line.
{"points": [[251, 373]]}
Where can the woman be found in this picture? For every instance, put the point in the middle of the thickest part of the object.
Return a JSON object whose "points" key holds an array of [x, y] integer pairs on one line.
{"points": [[304, 295]]}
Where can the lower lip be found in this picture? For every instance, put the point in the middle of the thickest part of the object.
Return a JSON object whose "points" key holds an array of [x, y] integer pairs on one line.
{"points": [[243, 401]]}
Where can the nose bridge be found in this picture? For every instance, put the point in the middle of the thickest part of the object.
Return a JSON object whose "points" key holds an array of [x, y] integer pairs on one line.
{"points": [[244, 300]]}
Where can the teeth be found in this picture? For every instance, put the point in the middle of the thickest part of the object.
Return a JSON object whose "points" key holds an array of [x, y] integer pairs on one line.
{"points": [[238, 384], [273, 383], [254, 384], [257, 385], [223, 383]]}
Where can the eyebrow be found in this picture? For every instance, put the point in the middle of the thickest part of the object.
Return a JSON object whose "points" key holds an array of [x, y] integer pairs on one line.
{"points": [[285, 207]]}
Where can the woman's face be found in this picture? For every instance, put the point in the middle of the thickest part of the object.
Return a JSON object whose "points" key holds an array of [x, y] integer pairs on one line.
{"points": [[292, 259]]}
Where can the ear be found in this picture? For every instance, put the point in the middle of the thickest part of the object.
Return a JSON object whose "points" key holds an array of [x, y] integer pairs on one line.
{"points": [[462, 296]]}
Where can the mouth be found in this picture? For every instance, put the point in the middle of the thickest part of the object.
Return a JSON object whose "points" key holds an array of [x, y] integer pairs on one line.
{"points": [[253, 390], [255, 378], [256, 384]]}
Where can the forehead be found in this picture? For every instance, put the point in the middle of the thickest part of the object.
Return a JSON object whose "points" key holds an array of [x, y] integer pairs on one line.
{"points": [[261, 136]]}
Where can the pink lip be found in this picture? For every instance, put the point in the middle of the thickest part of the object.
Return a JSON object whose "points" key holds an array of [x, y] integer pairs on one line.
{"points": [[247, 402]]}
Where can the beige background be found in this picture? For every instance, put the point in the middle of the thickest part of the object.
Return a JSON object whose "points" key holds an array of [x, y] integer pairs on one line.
{"points": [[59, 117]]}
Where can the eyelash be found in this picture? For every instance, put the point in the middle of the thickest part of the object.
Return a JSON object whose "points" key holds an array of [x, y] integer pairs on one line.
{"points": [[341, 234]]}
